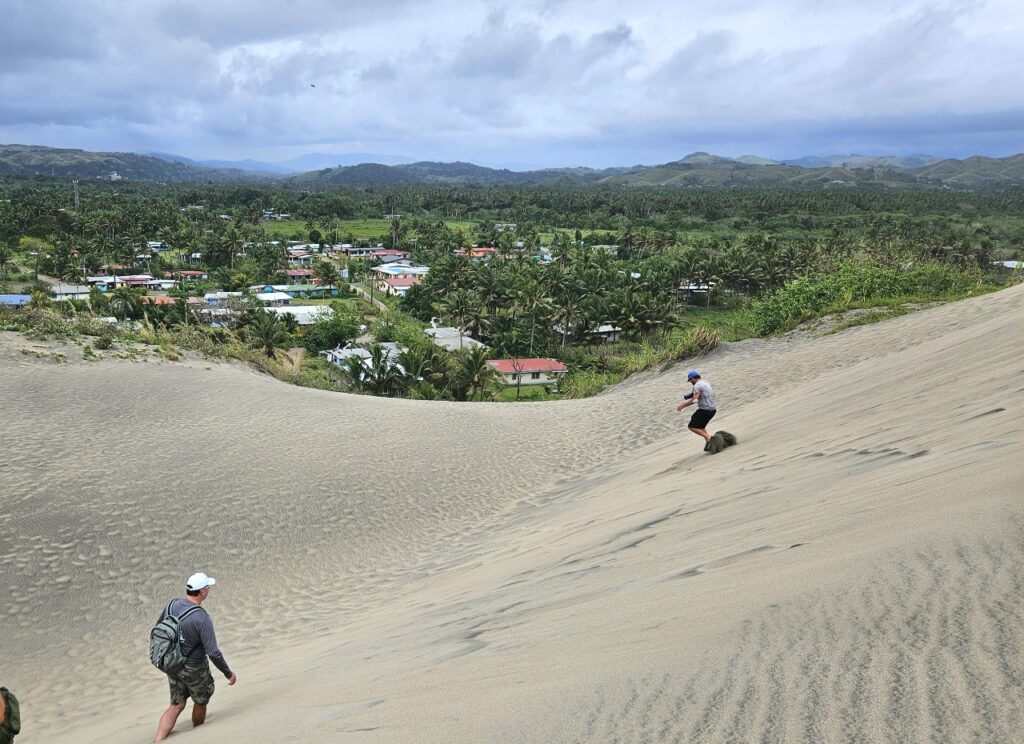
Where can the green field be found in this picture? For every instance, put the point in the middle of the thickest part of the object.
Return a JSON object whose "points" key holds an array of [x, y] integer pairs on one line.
{"points": [[358, 229]]}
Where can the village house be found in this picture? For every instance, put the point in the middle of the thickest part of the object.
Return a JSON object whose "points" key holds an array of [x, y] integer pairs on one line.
{"points": [[15, 300], [190, 258], [62, 292], [301, 291], [400, 270], [219, 297], [298, 276], [105, 283], [192, 275], [357, 251], [300, 259], [110, 269], [305, 315], [528, 371], [397, 287], [449, 338], [696, 293], [484, 252], [605, 333], [387, 255], [274, 299], [338, 355]]}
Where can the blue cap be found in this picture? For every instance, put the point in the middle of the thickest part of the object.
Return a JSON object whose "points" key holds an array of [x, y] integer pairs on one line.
{"points": [[691, 374]]}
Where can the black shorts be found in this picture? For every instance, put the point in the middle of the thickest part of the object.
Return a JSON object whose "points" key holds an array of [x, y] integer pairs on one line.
{"points": [[701, 419]]}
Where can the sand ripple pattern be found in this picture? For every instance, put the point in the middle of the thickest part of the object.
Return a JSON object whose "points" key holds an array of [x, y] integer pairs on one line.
{"points": [[927, 648], [317, 510]]}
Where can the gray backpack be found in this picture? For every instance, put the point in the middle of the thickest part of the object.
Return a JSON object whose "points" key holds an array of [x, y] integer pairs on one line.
{"points": [[165, 641]]}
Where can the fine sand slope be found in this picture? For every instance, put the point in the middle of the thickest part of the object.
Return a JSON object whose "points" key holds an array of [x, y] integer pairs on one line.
{"points": [[404, 572]]}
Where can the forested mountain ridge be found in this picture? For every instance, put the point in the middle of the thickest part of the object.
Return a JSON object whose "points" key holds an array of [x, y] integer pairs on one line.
{"points": [[34, 160], [697, 170]]}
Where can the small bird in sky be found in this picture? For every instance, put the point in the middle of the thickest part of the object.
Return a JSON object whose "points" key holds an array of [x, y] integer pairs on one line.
{"points": [[312, 85]]}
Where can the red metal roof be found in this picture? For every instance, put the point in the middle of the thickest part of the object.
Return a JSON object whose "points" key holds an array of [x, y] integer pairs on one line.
{"points": [[299, 272], [405, 281], [510, 366]]}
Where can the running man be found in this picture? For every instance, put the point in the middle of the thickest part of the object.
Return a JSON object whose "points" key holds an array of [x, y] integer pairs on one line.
{"points": [[704, 396]]}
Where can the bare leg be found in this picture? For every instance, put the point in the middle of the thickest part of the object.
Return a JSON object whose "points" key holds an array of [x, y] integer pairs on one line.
{"points": [[198, 714], [167, 721], [702, 433]]}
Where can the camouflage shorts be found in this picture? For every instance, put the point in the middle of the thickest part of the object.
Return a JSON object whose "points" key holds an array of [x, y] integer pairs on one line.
{"points": [[194, 682]]}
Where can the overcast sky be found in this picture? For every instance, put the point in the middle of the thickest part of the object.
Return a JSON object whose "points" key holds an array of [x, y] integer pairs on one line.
{"points": [[551, 82]]}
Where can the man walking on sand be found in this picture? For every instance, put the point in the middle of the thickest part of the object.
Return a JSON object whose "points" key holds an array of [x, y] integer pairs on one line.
{"points": [[704, 396], [197, 643]]}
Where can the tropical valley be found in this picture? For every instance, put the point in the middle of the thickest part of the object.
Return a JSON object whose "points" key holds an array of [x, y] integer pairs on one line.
{"points": [[355, 284]]}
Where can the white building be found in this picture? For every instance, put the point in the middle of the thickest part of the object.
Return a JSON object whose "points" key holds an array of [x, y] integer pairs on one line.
{"points": [[339, 355], [62, 292], [274, 299], [448, 338], [305, 315]]}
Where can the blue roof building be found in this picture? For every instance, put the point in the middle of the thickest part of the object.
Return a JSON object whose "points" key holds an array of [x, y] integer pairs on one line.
{"points": [[15, 300]]}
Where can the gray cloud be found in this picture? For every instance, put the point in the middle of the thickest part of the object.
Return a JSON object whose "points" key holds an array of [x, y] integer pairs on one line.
{"points": [[553, 81]]}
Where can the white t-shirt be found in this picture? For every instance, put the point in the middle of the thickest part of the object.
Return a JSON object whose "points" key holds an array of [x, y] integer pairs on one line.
{"points": [[707, 396]]}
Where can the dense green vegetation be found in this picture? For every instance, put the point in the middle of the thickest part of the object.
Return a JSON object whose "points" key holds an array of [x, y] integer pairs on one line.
{"points": [[697, 170], [567, 261]]}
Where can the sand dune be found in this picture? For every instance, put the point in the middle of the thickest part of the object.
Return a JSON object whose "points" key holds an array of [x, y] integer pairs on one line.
{"points": [[403, 571]]}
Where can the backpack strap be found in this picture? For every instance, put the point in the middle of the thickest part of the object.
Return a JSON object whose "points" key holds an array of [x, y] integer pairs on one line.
{"points": [[167, 610], [181, 620], [186, 613]]}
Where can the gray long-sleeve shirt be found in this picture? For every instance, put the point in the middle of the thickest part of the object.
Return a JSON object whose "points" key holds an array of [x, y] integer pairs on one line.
{"points": [[197, 637]]}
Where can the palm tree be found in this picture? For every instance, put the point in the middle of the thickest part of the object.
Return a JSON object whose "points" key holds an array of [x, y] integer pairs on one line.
{"points": [[39, 300], [382, 377], [426, 391], [326, 274], [266, 332], [459, 306], [125, 303], [568, 307], [414, 361], [534, 301], [6, 259], [232, 243], [475, 376], [356, 371]]}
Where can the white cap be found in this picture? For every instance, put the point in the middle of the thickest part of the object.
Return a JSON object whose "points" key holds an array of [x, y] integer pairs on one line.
{"points": [[199, 581]]}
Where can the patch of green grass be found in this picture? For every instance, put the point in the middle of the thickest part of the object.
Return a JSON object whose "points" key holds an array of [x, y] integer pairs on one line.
{"points": [[526, 393], [359, 229], [583, 383], [867, 318]]}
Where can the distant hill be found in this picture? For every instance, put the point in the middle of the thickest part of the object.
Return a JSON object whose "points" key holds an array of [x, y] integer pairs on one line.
{"points": [[319, 160], [861, 161], [977, 172], [697, 170], [32, 160]]}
